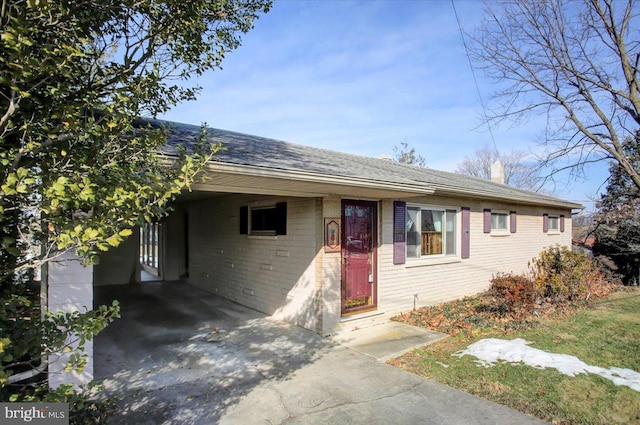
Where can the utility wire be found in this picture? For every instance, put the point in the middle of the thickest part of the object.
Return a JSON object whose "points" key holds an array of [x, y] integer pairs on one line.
{"points": [[475, 80]]}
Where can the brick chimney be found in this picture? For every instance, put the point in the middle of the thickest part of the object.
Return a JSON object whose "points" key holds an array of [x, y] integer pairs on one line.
{"points": [[497, 172]]}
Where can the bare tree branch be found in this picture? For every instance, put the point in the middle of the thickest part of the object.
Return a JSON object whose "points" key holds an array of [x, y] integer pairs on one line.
{"points": [[576, 60], [519, 170]]}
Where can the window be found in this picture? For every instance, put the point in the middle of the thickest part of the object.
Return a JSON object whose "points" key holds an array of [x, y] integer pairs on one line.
{"points": [[430, 231], [553, 223], [264, 220], [499, 221]]}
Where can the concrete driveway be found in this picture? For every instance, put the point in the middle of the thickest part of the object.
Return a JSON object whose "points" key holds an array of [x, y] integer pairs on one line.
{"points": [[180, 355]]}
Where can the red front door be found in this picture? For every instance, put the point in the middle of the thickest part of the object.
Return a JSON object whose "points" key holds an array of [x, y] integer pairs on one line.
{"points": [[359, 290]]}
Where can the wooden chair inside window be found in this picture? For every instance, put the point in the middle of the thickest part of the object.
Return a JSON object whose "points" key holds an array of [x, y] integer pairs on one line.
{"points": [[431, 243]]}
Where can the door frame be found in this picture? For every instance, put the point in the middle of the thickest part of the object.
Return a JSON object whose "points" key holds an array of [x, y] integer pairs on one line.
{"points": [[374, 234]]}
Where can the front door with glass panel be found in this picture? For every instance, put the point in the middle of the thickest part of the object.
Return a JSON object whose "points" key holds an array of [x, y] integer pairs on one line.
{"points": [[359, 290]]}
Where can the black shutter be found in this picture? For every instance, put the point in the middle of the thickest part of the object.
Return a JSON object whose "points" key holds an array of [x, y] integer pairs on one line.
{"points": [[281, 218], [513, 224], [562, 223], [399, 232], [487, 220], [545, 223], [466, 232], [244, 220]]}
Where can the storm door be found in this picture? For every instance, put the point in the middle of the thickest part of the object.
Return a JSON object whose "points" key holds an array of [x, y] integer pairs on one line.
{"points": [[359, 288]]}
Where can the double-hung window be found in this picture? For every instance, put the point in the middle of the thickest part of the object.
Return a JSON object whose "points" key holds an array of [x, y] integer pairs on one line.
{"points": [[431, 231], [499, 221], [553, 223]]}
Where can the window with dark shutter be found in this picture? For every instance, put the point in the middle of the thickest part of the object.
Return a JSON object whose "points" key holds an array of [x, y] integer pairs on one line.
{"points": [[281, 218], [244, 220], [431, 231]]}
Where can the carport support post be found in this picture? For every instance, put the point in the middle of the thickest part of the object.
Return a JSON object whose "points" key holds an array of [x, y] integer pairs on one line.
{"points": [[69, 287]]}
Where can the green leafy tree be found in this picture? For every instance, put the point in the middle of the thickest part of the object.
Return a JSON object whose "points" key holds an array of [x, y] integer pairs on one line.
{"points": [[406, 155], [78, 168], [617, 220]]}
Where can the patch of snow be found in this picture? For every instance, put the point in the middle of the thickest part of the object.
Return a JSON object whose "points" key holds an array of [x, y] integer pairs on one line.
{"points": [[492, 350]]}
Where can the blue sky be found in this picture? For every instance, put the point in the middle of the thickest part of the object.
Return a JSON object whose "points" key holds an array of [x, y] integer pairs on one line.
{"points": [[361, 77]]}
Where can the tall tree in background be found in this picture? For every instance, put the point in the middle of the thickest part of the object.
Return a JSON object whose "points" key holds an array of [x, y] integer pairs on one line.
{"points": [[406, 155], [573, 61], [617, 220], [517, 171], [77, 170]]}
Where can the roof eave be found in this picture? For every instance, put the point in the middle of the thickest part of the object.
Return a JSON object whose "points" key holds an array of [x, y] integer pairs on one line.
{"points": [[353, 181], [312, 177]]}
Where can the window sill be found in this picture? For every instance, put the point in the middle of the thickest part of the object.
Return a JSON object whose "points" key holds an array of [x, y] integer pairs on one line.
{"points": [[423, 262], [263, 237], [553, 232], [496, 234]]}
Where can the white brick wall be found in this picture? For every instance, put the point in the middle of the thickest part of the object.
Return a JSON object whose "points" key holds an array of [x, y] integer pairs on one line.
{"points": [[332, 275], [272, 274], [70, 288]]}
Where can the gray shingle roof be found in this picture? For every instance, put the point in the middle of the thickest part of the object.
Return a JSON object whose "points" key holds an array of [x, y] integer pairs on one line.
{"points": [[262, 152]]}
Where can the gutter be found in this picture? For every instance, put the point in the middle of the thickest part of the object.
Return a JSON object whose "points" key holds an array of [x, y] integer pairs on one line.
{"points": [[515, 198]]}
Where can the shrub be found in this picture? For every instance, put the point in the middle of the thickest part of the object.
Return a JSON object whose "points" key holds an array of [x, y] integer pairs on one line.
{"points": [[512, 290], [557, 275], [560, 274]]}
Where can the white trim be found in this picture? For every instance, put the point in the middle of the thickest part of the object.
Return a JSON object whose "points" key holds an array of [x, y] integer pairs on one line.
{"points": [[438, 260]]}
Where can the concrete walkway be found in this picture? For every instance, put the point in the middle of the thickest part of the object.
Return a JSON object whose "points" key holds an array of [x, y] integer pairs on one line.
{"points": [[182, 356]]}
